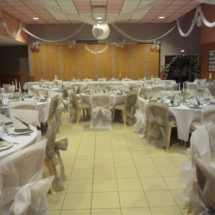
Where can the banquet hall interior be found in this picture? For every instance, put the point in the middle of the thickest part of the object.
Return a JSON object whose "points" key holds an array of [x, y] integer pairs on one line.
{"points": [[118, 99]]}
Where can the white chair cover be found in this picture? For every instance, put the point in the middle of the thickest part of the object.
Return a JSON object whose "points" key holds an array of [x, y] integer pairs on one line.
{"points": [[158, 123], [28, 105], [73, 104], [204, 202], [141, 117], [101, 111], [23, 191], [200, 147], [53, 148]]}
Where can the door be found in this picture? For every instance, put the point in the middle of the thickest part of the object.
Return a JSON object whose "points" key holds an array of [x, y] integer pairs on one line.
{"points": [[24, 70]]}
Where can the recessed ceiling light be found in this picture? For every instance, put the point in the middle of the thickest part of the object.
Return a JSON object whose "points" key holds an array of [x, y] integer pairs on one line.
{"points": [[161, 17], [35, 18], [98, 17], [182, 50]]}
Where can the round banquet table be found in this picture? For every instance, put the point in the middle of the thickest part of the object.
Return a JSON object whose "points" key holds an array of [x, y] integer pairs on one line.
{"points": [[21, 142], [42, 107], [115, 99]]}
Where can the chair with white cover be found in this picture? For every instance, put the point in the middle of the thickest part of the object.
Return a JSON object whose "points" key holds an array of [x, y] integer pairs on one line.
{"points": [[203, 200], [211, 88], [192, 86], [128, 109], [159, 126], [101, 116], [146, 92], [23, 188], [53, 157], [200, 147], [76, 106], [157, 88], [53, 105], [207, 115], [36, 90], [27, 105], [141, 118]]}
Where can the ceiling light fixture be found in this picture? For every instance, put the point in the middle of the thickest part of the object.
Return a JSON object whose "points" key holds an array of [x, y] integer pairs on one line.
{"points": [[182, 50], [35, 18], [161, 17]]}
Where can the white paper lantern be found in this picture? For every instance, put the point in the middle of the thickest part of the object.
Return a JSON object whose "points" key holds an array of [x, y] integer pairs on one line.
{"points": [[101, 31]]}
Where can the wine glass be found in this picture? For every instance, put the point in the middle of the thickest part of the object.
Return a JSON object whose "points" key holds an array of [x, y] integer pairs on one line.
{"points": [[5, 100]]}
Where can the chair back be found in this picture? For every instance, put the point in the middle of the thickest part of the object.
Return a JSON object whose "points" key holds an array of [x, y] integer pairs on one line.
{"points": [[135, 88], [158, 122], [53, 105], [211, 88], [192, 86], [130, 100], [30, 117], [175, 86], [101, 111], [27, 105], [21, 180], [208, 114]]}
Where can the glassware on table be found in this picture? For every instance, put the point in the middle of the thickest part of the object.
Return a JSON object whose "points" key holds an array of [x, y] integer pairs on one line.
{"points": [[2, 129], [5, 100]]}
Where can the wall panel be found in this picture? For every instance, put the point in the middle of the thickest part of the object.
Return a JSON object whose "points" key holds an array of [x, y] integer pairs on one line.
{"points": [[95, 61]]}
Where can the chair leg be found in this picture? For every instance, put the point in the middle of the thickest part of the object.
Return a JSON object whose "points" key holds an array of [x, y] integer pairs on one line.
{"points": [[78, 115], [168, 138], [124, 117], [48, 171], [83, 112]]}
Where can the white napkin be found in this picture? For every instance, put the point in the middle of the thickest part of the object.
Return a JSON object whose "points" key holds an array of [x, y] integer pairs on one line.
{"points": [[118, 91], [4, 143], [30, 93], [20, 126], [6, 120], [42, 96]]}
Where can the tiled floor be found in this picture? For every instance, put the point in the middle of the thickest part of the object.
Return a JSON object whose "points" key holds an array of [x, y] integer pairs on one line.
{"points": [[117, 173]]}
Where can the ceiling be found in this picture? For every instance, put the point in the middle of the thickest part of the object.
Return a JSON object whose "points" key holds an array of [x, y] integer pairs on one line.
{"points": [[76, 11]]}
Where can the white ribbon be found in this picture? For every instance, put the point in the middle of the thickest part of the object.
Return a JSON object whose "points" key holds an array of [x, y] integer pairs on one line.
{"points": [[29, 194], [211, 133], [140, 125]]}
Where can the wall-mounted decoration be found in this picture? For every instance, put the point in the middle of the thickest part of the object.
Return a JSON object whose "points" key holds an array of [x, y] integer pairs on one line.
{"points": [[211, 61]]}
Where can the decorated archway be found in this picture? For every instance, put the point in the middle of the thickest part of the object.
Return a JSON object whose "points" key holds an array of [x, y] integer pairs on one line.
{"points": [[182, 59]]}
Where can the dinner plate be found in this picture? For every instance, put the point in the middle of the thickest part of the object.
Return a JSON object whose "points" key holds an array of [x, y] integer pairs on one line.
{"points": [[5, 144], [12, 131]]}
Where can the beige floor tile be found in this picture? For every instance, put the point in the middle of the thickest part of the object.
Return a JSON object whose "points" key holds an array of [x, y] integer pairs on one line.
{"points": [[137, 147], [165, 211], [148, 172], [85, 155], [83, 148], [178, 161], [54, 212], [158, 154], [104, 185], [174, 183], [105, 200], [75, 212], [80, 185], [82, 173], [169, 171], [155, 183], [123, 162], [103, 148], [68, 164], [129, 184], [178, 198], [128, 172], [122, 154], [77, 201], [136, 211], [140, 154], [102, 155], [106, 212], [84, 164], [68, 155], [144, 162], [67, 173], [104, 173], [133, 199], [160, 198], [104, 163], [163, 161], [120, 147], [55, 201]]}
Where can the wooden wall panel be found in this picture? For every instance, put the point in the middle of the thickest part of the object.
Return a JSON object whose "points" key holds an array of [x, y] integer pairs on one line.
{"points": [[204, 60], [133, 61]]}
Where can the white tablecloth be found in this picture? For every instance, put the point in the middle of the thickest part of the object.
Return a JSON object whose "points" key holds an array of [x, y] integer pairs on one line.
{"points": [[115, 99], [184, 117], [23, 142]]}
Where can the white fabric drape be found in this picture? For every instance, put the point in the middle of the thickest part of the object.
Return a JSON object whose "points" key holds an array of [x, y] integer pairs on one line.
{"points": [[22, 189], [101, 112]]}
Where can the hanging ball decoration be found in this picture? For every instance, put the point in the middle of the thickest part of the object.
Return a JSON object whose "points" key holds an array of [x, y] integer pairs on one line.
{"points": [[101, 31]]}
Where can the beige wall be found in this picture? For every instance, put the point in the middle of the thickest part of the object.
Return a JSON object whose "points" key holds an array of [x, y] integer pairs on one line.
{"points": [[133, 61]]}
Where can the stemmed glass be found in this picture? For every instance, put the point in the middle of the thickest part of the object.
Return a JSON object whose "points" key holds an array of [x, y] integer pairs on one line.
{"points": [[5, 100]]}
